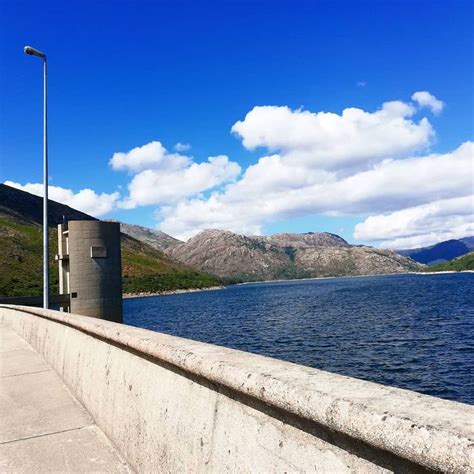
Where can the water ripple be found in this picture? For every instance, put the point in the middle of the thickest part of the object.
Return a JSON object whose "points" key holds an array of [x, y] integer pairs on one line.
{"points": [[411, 331]]}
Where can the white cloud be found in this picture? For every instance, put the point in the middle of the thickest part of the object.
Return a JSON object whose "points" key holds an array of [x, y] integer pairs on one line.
{"points": [[182, 146], [421, 225], [354, 139], [86, 200], [162, 187], [162, 178], [425, 99], [356, 163], [153, 155], [359, 162], [188, 217], [265, 194]]}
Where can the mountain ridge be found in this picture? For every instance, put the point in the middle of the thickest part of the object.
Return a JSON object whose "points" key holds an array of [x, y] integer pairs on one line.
{"points": [[440, 252], [238, 258], [459, 264]]}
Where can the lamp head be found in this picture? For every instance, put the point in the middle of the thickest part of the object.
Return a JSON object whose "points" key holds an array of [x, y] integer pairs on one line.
{"points": [[34, 52]]}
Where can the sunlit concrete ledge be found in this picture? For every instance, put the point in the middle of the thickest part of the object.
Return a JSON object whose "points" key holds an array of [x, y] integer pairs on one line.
{"points": [[170, 404]]}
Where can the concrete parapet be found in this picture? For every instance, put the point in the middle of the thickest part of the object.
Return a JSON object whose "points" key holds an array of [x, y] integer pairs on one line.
{"points": [[172, 404]]}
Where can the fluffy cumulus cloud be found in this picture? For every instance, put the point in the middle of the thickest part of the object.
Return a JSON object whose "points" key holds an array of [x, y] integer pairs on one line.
{"points": [[354, 139], [159, 187], [153, 155], [421, 225], [356, 163], [425, 99], [161, 178], [266, 194], [86, 200]]}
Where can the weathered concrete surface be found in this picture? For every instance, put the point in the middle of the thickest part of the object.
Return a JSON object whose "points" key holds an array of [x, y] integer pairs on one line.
{"points": [[95, 278], [81, 450], [21, 361], [42, 427], [171, 404]]}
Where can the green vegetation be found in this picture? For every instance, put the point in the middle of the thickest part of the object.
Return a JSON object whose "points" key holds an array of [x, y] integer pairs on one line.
{"points": [[21, 260], [147, 270], [144, 269], [290, 272], [291, 252], [169, 281], [466, 262]]}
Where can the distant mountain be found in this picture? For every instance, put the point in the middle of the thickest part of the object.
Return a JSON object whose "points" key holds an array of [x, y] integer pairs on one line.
{"points": [[458, 264], [237, 258], [155, 238], [469, 242], [441, 252], [144, 268]]}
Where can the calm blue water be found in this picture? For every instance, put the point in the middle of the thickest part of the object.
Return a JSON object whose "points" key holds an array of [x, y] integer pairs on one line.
{"points": [[411, 331]]}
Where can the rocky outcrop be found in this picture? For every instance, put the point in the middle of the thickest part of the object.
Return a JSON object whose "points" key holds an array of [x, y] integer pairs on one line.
{"points": [[240, 258], [339, 261], [312, 239], [232, 256], [155, 238]]}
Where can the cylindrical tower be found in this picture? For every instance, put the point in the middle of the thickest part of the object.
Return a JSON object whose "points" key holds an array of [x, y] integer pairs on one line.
{"points": [[95, 276]]}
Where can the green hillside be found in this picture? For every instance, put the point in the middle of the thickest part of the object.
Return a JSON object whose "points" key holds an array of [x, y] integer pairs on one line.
{"points": [[144, 269], [466, 262], [21, 258]]}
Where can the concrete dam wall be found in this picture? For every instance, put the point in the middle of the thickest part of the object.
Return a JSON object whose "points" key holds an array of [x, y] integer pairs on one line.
{"points": [[171, 404]]}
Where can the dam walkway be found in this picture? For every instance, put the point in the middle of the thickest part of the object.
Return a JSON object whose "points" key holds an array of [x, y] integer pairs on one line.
{"points": [[43, 427]]}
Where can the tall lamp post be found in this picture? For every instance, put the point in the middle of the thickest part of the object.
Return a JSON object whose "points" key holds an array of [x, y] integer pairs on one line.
{"points": [[34, 52]]}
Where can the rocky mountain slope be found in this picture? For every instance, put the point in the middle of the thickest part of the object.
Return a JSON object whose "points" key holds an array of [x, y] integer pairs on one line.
{"points": [[144, 268], [236, 257], [440, 252], [309, 239], [240, 258], [155, 238]]}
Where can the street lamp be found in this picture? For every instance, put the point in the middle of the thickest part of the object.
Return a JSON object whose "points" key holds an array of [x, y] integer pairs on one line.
{"points": [[34, 52]]}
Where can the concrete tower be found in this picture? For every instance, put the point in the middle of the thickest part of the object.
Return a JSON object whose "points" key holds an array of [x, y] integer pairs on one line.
{"points": [[94, 269]]}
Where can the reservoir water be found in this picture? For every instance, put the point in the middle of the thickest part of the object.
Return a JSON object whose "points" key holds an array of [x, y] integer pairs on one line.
{"points": [[410, 331]]}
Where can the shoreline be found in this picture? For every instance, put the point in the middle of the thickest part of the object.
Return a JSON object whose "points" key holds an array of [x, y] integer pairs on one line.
{"points": [[320, 278], [146, 294], [214, 288], [443, 272], [352, 276]]}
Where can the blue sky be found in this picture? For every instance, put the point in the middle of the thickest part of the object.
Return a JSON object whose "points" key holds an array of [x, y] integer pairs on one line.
{"points": [[125, 74]]}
